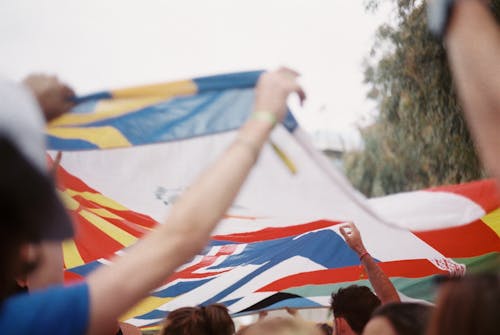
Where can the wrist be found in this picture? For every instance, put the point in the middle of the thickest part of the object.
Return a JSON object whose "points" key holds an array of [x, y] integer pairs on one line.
{"points": [[361, 250], [363, 254], [265, 116]]}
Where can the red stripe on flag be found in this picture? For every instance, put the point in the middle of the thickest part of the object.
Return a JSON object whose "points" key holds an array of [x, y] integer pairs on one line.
{"points": [[86, 203], [67, 180], [130, 227], [92, 243], [483, 192], [228, 249], [470, 240], [275, 232], [415, 268], [135, 217], [189, 272], [71, 277], [130, 216]]}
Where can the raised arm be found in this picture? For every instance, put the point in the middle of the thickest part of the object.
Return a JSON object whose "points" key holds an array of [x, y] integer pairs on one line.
{"points": [[473, 47], [116, 288], [383, 287]]}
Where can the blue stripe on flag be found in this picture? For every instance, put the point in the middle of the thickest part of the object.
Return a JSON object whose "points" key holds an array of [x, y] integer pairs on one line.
{"points": [[184, 117], [85, 107], [94, 96], [154, 314], [290, 123], [180, 288], [311, 245], [56, 143], [294, 303], [227, 81]]}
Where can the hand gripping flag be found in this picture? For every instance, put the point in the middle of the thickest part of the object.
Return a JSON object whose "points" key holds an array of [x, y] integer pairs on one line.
{"points": [[128, 154]]}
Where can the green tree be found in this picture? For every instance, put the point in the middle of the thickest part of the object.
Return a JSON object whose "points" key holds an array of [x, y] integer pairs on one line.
{"points": [[419, 138]]}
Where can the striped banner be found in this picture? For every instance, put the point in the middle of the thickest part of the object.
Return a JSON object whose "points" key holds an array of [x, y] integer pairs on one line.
{"points": [[279, 243]]}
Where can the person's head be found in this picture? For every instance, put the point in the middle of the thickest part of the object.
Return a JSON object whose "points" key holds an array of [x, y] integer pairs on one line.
{"points": [[31, 210], [352, 308], [209, 320], [280, 326], [20, 184], [399, 319], [470, 305]]}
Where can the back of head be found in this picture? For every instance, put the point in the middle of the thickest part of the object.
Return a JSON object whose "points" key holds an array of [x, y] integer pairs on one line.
{"points": [[280, 326], [469, 305], [21, 186], [210, 320], [406, 318], [31, 210], [355, 304]]}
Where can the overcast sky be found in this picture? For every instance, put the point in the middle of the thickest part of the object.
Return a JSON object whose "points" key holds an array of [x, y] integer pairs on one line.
{"points": [[103, 44]]}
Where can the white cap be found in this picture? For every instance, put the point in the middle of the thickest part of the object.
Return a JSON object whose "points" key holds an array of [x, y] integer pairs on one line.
{"points": [[28, 194]]}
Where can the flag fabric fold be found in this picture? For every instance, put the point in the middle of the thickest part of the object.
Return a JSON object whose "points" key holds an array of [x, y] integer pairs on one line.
{"points": [[129, 154]]}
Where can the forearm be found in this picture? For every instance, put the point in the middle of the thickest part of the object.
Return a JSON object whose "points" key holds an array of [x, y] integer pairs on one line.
{"points": [[473, 45], [185, 232], [383, 287], [206, 202], [116, 288]]}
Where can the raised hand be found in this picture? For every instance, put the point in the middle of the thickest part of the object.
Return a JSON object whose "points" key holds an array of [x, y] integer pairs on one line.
{"points": [[353, 238], [53, 96]]}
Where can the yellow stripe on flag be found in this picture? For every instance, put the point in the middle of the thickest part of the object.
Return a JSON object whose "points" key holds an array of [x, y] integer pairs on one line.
{"points": [[71, 254], [70, 203], [155, 329], [284, 158], [116, 233], [102, 137], [492, 220], [165, 90], [145, 306], [98, 199], [104, 213], [106, 109]]}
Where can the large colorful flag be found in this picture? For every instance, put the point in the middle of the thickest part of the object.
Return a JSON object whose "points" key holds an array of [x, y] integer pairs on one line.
{"points": [[128, 154]]}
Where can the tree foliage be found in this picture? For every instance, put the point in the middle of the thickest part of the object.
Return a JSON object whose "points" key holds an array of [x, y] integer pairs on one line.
{"points": [[420, 138]]}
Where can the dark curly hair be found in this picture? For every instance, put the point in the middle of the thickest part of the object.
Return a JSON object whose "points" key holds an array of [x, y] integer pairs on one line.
{"points": [[355, 304], [406, 318]]}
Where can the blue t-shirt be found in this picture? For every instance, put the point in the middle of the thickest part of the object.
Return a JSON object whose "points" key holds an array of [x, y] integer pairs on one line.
{"points": [[57, 310]]}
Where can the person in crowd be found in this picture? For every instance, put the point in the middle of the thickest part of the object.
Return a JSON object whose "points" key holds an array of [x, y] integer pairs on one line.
{"points": [[468, 305], [203, 320], [352, 306], [23, 117], [53, 98], [33, 213], [280, 326], [399, 319]]}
